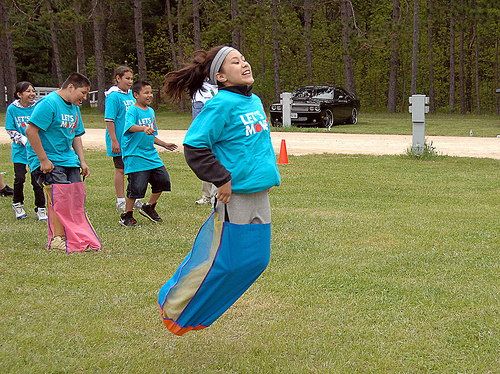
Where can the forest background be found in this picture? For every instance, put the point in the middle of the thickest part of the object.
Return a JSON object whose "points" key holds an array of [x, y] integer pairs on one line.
{"points": [[381, 50]]}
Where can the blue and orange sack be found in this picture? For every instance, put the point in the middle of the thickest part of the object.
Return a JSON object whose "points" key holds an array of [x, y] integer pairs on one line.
{"points": [[224, 262]]}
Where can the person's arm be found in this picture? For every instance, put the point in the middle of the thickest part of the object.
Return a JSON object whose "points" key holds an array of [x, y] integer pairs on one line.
{"points": [[136, 128], [169, 146], [115, 145], [78, 147], [17, 137], [46, 166], [206, 167]]}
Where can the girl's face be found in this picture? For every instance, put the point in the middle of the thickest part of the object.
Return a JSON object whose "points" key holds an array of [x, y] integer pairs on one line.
{"points": [[235, 70], [27, 97], [125, 82]]}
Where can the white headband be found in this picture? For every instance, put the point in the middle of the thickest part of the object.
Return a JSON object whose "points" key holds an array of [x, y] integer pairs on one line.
{"points": [[217, 62]]}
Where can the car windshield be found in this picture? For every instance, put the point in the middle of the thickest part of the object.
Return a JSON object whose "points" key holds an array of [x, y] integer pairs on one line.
{"points": [[313, 93]]}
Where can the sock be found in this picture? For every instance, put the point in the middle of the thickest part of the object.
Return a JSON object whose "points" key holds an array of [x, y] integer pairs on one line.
{"points": [[120, 199]]}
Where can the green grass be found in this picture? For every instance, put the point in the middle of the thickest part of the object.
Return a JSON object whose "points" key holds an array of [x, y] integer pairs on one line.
{"points": [[369, 123], [380, 264]]}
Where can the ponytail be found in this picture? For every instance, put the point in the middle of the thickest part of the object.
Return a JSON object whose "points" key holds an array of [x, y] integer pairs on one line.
{"points": [[191, 77]]}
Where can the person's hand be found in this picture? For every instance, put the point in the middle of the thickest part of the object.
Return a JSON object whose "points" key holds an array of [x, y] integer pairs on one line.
{"points": [[115, 146], [46, 166], [171, 146], [85, 169], [149, 130], [224, 193]]}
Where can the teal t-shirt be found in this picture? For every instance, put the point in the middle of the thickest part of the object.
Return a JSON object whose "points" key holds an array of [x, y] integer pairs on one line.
{"points": [[117, 103], [59, 123], [16, 119], [235, 127], [138, 149]]}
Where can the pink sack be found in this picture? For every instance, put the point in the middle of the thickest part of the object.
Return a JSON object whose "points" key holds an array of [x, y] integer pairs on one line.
{"points": [[68, 202]]}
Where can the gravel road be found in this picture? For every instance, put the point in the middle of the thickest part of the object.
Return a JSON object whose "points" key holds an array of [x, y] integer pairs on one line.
{"points": [[299, 143]]}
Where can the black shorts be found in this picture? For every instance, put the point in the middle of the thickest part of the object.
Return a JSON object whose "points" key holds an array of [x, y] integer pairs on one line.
{"points": [[138, 182], [118, 161]]}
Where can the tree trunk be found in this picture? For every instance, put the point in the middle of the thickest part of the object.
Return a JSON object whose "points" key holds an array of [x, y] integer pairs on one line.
{"points": [[463, 102], [80, 51], [99, 53], [276, 51], [139, 40], [451, 101], [3, 103], [432, 88], [394, 60], [497, 100], [346, 14], [171, 35], [180, 20], [235, 35], [55, 46], [196, 25], [414, 59], [307, 31], [476, 58], [7, 56]]}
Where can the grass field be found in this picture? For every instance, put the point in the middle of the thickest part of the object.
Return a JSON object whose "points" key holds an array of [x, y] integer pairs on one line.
{"points": [[380, 264], [369, 123]]}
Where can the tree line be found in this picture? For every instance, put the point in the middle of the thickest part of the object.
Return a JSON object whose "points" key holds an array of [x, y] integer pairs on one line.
{"points": [[381, 50]]}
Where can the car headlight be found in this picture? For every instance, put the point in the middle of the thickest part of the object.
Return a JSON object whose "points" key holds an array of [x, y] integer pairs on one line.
{"points": [[314, 109], [273, 107]]}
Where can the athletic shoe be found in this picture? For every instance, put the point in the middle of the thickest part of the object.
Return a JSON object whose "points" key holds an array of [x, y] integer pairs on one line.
{"points": [[6, 191], [127, 221], [41, 213], [58, 244], [149, 212], [203, 200], [138, 204], [19, 210], [120, 206]]}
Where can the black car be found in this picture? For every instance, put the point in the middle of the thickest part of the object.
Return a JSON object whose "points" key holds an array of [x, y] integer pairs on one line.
{"points": [[319, 106]]}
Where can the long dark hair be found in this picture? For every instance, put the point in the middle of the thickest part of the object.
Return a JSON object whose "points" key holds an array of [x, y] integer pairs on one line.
{"points": [[21, 87], [191, 77]]}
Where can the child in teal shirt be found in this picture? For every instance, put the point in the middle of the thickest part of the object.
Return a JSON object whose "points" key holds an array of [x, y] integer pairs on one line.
{"points": [[142, 162], [16, 120], [55, 149]]}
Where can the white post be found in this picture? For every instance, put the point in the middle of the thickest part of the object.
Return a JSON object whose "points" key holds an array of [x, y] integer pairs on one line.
{"points": [[286, 100], [418, 110]]}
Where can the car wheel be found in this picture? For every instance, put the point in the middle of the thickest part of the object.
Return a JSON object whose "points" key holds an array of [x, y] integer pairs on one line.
{"points": [[353, 119], [328, 119]]}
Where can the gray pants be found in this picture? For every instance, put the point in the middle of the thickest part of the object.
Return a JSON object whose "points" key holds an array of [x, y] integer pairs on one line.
{"points": [[245, 208]]}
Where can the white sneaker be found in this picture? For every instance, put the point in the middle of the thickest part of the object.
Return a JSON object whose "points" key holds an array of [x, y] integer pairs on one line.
{"points": [[137, 204], [19, 210], [120, 206], [58, 244], [41, 213], [203, 200]]}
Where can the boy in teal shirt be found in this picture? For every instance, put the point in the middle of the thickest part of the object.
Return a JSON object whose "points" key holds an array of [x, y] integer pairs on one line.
{"points": [[142, 162], [55, 149]]}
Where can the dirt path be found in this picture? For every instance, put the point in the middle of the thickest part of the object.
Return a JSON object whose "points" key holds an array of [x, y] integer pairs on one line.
{"points": [[309, 143]]}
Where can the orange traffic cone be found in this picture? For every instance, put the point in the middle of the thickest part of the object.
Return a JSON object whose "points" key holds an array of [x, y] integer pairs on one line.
{"points": [[283, 155]]}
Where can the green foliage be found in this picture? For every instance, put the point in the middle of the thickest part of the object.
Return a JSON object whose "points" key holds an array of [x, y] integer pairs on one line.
{"points": [[429, 152], [370, 45]]}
